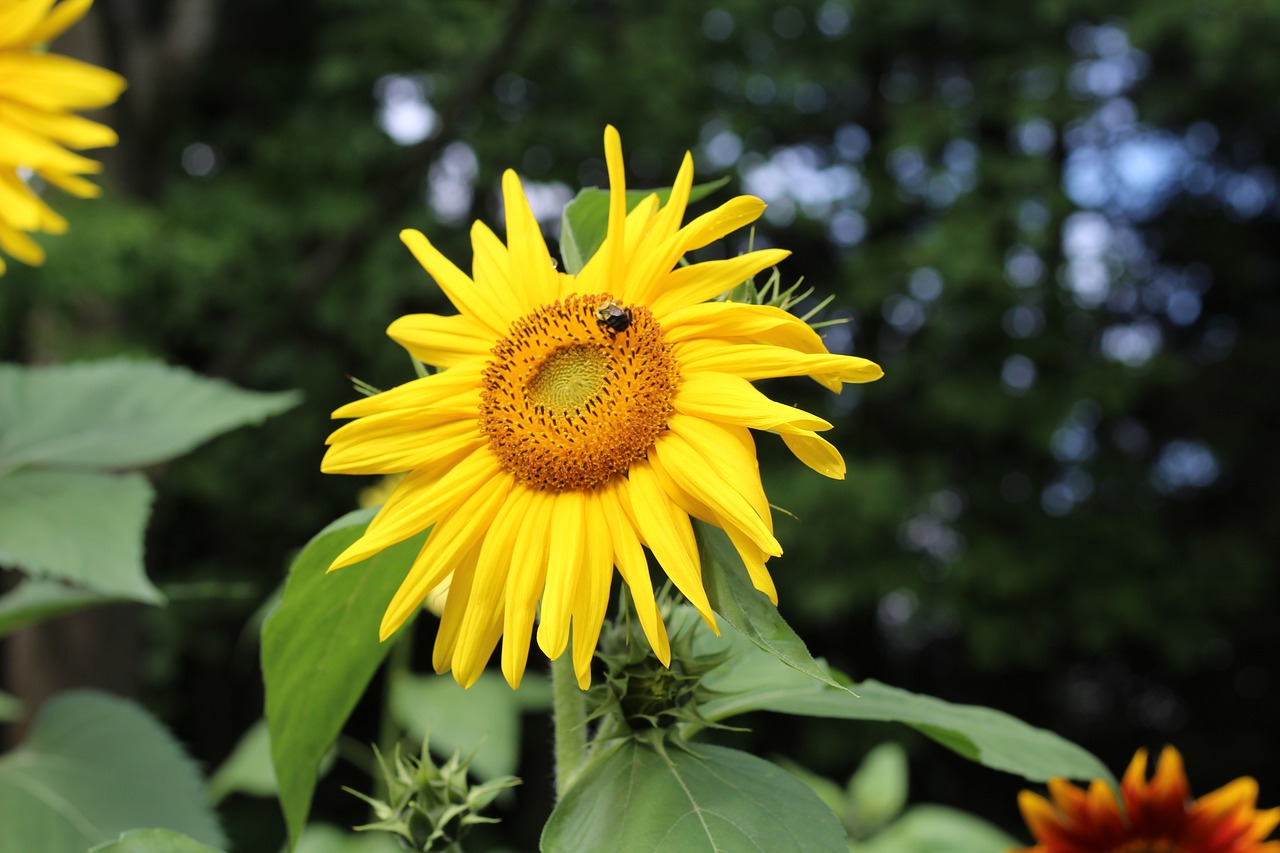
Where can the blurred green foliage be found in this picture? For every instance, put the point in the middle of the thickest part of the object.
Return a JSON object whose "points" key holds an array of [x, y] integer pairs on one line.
{"points": [[1053, 224]]}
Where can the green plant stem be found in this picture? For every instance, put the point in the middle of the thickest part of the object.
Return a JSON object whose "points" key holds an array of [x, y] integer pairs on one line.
{"points": [[397, 667], [569, 715]]}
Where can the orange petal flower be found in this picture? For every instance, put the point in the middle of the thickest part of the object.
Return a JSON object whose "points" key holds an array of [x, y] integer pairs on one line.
{"points": [[1158, 816]]}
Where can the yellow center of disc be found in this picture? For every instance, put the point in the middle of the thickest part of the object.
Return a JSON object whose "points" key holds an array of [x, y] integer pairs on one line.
{"points": [[568, 402]]}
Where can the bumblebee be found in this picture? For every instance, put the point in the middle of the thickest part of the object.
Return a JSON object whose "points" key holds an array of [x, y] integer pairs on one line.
{"points": [[613, 318]]}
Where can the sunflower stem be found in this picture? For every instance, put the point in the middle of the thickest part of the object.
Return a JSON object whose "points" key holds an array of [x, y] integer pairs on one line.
{"points": [[569, 713]]}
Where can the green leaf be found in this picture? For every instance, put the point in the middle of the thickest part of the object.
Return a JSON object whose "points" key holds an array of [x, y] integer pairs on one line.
{"points": [[937, 829], [639, 799], [10, 707], [154, 841], [37, 600], [78, 526], [320, 648], [248, 769], [754, 681], [585, 221], [878, 791], [750, 611], [93, 767], [118, 413], [486, 715]]}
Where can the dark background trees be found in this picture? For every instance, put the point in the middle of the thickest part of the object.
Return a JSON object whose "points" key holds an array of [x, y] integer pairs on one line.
{"points": [[1054, 225]]}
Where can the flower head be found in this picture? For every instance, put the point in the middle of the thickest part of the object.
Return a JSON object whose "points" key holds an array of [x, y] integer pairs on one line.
{"points": [[577, 420], [38, 93], [1158, 816]]}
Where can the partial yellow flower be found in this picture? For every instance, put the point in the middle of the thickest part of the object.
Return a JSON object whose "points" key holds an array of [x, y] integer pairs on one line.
{"points": [[38, 94], [1157, 815], [578, 420]]}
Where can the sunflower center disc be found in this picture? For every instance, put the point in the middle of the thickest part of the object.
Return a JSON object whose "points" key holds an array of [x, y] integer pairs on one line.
{"points": [[568, 402]]}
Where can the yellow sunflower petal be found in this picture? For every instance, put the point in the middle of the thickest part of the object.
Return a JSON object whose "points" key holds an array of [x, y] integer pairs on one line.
{"points": [[491, 267], [70, 130], [483, 308], [526, 245], [740, 321], [758, 361], [730, 450], [615, 237], [419, 502], [692, 472], [461, 582], [644, 276], [74, 184], [20, 246], [452, 539], [628, 556], [385, 444], [419, 395], [731, 399], [565, 559], [19, 206], [816, 452], [64, 16], [669, 535], [591, 596], [697, 283], [669, 218], [525, 584], [51, 82], [18, 18], [495, 562], [442, 341]]}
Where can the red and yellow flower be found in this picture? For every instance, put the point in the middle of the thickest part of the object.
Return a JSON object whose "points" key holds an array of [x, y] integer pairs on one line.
{"points": [[1157, 816]]}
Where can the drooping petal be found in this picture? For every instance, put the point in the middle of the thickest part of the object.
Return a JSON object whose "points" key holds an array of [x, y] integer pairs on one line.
{"points": [[669, 535], [565, 557], [591, 595], [628, 556], [493, 567], [449, 542], [525, 584], [692, 473], [419, 502], [816, 452]]}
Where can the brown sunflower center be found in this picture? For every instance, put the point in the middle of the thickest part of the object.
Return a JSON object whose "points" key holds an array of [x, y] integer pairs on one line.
{"points": [[577, 391]]}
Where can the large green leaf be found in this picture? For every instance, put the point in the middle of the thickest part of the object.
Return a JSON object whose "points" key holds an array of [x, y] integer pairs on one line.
{"points": [[118, 413], [734, 599], [78, 526], [485, 715], [937, 829], [319, 649], [585, 221], [154, 841], [35, 600], [639, 799], [93, 767], [751, 680]]}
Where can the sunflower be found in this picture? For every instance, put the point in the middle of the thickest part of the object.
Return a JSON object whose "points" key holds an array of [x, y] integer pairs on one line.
{"points": [[578, 419], [1157, 816], [38, 92]]}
